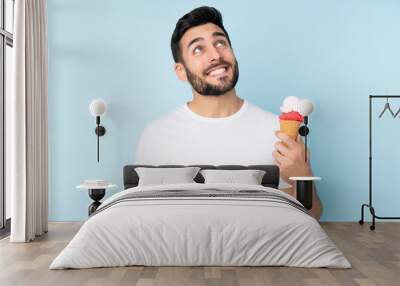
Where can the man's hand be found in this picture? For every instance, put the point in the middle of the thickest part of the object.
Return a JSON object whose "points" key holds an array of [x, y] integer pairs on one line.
{"points": [[290, 157]]}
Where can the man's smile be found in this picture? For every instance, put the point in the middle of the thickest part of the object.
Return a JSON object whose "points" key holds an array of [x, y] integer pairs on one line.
{"points": [[218, 72]]}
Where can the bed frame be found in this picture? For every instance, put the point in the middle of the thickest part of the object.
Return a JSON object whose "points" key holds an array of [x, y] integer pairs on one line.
{"points": [[270, 179]]}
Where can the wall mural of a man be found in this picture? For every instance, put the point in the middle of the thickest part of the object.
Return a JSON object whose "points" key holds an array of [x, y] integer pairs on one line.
{"points": [[217, 126]]}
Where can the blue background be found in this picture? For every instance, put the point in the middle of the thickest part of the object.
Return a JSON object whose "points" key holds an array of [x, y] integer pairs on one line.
{"points": [[334, 53]]}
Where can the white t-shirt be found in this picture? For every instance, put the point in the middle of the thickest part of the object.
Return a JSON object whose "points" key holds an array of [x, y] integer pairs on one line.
{"points": [[183, 137]]}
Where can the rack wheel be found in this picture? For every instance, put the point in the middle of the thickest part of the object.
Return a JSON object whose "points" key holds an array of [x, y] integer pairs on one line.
{"points": [[361, 222], [372, 227]]}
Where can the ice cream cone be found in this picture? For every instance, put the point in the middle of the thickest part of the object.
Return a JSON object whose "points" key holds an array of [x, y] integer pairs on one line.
{"points": [[290, 127]]}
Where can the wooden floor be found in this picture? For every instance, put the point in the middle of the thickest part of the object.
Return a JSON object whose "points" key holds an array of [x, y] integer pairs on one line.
{"points": [[374, 255]]}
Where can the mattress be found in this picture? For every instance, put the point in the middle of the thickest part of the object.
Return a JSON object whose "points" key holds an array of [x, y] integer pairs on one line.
{"points": [[201, 225]]}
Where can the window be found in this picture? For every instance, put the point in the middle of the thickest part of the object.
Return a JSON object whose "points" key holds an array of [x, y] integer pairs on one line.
{"points": [[6, 61]]}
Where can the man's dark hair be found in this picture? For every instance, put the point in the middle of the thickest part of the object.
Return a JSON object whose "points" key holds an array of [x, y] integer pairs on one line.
{"points": [[196, 17]]}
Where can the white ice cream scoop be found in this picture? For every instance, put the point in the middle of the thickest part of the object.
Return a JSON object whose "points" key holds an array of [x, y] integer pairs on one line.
{"points": [[290, 103]]}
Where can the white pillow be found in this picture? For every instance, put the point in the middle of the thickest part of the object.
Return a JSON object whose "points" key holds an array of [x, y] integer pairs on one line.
{"points": [[162, 176], [249, 177]]}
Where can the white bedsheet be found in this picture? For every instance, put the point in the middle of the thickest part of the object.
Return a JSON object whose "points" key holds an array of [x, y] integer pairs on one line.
{"points": [[200, 231]]}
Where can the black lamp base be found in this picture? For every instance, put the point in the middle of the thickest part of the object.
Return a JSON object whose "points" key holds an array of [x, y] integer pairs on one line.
{"points": [[304, 130], [100, 130]]}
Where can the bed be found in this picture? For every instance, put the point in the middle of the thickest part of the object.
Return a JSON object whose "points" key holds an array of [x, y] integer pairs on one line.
{"points": [[201, 224]]}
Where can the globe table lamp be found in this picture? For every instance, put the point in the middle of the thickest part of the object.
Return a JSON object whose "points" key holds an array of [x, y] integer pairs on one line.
{"points": [[98, 108]]}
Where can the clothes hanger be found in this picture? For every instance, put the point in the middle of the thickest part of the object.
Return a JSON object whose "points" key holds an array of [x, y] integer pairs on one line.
{"points": [[397, 113], [387, 107]]}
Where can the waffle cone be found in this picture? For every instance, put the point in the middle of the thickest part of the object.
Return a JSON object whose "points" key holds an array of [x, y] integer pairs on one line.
{"points": [[290, 127]]}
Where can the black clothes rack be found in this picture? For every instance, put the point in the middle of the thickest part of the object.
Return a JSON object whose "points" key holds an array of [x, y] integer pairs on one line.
{"points": [[369, 205]]}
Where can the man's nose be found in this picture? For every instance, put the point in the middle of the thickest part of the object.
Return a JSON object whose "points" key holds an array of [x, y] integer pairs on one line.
{"points": [[213, 55]]}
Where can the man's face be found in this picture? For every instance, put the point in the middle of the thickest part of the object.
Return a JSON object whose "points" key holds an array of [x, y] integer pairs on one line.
{"points": [[209, 63]]}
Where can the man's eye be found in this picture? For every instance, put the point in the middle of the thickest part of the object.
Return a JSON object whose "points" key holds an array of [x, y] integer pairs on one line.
{"points": [[221, 44], [197, 50]]}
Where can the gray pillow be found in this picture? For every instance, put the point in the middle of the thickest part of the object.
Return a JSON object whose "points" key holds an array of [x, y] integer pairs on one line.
{"points": [[162, 176], [249, 177]]}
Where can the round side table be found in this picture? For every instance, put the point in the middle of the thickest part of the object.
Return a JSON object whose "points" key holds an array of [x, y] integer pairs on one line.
{"points": [[96, 193], [304, 190]]}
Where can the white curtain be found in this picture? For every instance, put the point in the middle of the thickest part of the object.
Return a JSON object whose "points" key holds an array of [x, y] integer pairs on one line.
{"points": [[26, 123]]}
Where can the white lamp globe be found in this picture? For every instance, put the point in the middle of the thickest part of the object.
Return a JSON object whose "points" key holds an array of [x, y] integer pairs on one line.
{"points": [[98, 107], [305, 107]]}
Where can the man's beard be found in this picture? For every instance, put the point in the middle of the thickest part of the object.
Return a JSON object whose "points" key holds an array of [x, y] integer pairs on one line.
{"points": [[204, 88]]}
